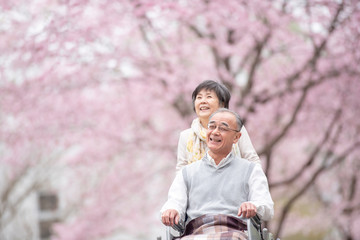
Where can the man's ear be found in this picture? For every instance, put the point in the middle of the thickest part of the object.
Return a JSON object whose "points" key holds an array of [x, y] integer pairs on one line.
{"points": [[237, 137]]}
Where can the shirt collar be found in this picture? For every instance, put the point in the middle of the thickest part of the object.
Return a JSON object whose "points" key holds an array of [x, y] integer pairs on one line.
{"points": [[222, 163]]}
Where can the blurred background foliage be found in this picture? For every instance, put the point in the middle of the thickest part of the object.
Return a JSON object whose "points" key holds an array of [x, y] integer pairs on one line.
{"points": [[94, 94]]}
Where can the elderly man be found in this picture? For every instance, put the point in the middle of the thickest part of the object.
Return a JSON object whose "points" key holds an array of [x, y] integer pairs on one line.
{"points": [[213, 193]]}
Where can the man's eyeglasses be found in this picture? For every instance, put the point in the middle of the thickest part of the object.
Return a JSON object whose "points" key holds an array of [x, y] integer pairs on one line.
{"points": [[222, 128]]}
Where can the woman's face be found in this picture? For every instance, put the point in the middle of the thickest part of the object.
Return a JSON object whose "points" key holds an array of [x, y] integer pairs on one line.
{"points": [[206, 102]]}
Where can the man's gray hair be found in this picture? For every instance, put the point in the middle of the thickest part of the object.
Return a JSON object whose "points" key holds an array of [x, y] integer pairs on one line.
{"points": [[238, 119]]}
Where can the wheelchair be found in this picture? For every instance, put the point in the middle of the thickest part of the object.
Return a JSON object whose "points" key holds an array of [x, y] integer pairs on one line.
{"points": [[254, 230]]}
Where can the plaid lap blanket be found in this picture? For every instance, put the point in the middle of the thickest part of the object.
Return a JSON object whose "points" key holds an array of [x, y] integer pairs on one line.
{"points": [[215, 227]]}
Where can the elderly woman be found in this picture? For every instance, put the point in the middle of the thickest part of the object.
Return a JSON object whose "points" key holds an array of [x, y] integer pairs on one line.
{"points": [[207, 97]]}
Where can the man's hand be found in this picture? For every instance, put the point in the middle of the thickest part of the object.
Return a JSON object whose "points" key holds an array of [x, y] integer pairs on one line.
{"points": [[247, 210], [170, 217]]}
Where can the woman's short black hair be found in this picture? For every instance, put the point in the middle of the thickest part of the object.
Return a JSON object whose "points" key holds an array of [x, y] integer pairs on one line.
{"points": [[222, 93]]}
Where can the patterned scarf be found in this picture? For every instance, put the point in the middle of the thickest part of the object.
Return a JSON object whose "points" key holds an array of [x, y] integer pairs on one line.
{"points": [[196, 145]]}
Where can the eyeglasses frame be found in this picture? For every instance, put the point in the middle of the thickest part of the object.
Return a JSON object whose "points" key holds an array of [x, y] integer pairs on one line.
{"points": [[224, 127]]}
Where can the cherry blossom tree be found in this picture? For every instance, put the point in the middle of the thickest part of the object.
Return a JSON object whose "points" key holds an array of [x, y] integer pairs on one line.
{"points": [[94, 94]]}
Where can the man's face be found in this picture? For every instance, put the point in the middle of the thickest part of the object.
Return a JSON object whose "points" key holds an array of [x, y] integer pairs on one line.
{"points": [[220, 142]]}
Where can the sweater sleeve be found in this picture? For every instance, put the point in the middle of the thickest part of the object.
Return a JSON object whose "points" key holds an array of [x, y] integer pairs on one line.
{"points": [[177, 196], [259, 194], [247, 150], [182, 158]]}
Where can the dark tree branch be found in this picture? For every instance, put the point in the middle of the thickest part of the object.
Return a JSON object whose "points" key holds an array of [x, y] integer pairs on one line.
{"points": [[263, 97], [287, 127], [256, 63], [327, 164], [313, 155]]}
